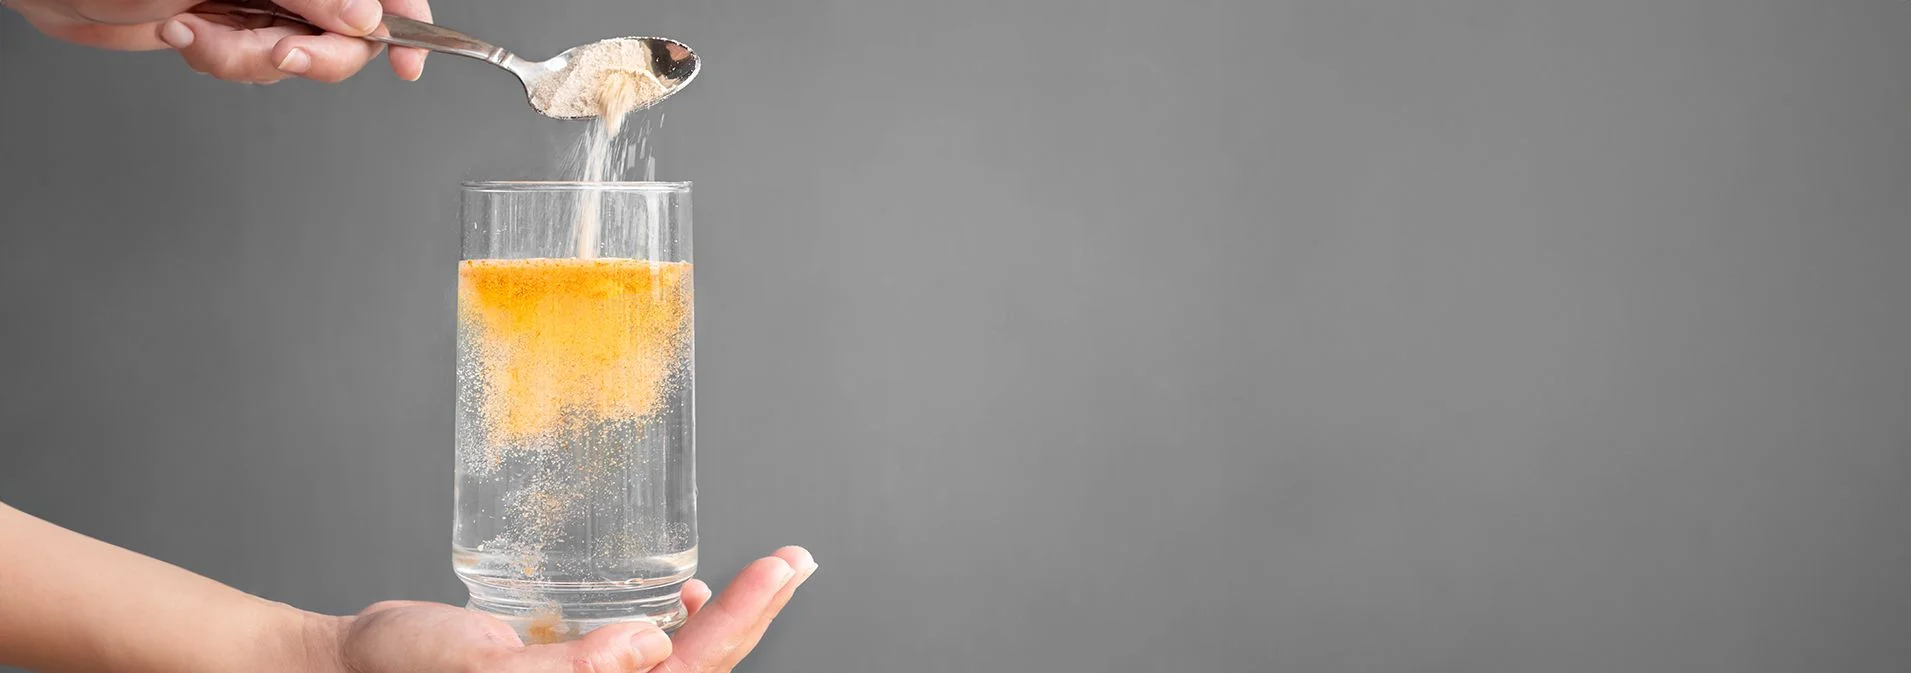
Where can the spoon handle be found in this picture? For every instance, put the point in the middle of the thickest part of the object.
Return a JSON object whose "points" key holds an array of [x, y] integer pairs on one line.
{"points": [[397, 31]]}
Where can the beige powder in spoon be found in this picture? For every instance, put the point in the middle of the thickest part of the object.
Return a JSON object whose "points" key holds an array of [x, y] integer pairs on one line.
{"points": [[579, 89]]}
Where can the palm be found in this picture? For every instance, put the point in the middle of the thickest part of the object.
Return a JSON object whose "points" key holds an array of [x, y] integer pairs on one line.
{"points": [[419, 637], [403, 636]]}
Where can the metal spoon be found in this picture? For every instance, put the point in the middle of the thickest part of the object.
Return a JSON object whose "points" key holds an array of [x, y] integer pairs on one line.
{"points": [[672, 63]]}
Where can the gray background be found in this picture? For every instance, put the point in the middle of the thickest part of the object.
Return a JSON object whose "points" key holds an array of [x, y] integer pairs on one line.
{"points": [[1270, 335]]}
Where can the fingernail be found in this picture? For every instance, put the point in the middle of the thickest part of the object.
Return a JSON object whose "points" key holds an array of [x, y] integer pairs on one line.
{"points": [[296, 62], [650, 643], [175, 34], [784, 574], [362, 15]]}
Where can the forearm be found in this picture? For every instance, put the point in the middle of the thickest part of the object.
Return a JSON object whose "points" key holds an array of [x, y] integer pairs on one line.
{"points": [[71, 603]]}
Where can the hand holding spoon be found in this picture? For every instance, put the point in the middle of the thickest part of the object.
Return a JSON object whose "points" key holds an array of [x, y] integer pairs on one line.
{"points": [[671, 64]]}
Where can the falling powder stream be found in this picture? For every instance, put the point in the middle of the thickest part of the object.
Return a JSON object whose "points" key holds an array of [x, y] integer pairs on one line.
{"points": [[618, 93]]}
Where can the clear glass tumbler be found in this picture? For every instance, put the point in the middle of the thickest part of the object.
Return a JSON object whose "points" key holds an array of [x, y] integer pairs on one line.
{"points": [[575, 410]]}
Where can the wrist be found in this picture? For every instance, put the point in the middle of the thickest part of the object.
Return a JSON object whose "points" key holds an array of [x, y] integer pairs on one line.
{"points": [[307, 642]]}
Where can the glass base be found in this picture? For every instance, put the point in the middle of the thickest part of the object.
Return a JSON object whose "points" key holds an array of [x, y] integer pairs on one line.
{"points": [[544, 618]]}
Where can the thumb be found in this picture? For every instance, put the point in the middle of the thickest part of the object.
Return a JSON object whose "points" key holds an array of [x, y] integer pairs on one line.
{"points": [[349, 17], [622, 648]]}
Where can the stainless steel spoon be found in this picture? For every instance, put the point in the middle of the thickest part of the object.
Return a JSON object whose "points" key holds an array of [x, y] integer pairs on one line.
{"points": [[671, 62]]}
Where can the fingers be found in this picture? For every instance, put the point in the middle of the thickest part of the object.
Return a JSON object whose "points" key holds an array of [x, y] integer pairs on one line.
{"points": [[264, 55], [798, 558], [621, 648], [326, 58], [725, 629], [227, 52], [357, 18], [409, 63], [695, 594], [243, 50], [346, 17]]}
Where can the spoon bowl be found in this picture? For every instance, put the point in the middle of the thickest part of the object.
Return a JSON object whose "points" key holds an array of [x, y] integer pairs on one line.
{"points": [[671, 64]]}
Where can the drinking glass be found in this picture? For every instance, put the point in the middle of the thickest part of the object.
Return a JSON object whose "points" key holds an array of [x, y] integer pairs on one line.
{"points": [[576, 479]]}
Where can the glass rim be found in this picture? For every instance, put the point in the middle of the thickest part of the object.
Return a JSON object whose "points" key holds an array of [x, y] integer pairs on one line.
{"points": [[573, 186]]}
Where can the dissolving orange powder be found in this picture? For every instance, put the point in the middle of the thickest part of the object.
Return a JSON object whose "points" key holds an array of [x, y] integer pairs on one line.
{"points": [[564, 343]]}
